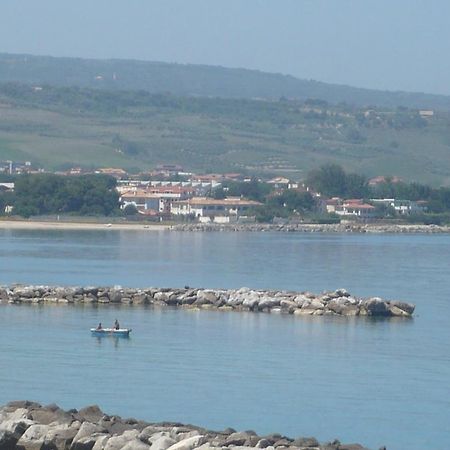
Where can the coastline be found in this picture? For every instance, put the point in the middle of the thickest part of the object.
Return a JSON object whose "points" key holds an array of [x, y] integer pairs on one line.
{"points": [[359, 228], [43, 225]]}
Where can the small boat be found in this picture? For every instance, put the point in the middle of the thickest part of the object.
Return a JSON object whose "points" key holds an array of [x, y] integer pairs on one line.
{"points": [[124, 332]]}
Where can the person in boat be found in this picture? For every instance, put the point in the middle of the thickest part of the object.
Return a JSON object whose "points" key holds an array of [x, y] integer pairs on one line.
{"points": [[99, 326], [116, 325]]}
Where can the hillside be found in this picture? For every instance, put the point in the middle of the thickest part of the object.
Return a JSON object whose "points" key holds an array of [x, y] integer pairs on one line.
{"points": [[197, 80], [62, 127]]}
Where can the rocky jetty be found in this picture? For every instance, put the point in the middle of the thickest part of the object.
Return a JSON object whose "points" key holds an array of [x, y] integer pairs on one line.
{"points": [[316, 228], [334, 303], [26, 425]]}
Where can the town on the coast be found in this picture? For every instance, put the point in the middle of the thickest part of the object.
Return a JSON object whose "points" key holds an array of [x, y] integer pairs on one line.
{"points": [[170, 193]]}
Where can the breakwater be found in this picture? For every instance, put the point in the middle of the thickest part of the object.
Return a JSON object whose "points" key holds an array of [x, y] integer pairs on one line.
{"points": [[316, 228], [26, 425], [334, 303]]}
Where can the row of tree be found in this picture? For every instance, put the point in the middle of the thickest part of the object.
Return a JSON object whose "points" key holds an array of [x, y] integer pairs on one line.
{"points": [[43, 194]]}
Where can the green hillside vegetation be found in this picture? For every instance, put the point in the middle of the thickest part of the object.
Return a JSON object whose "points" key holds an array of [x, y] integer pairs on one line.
{"points": [[197, 80], [57, 128]]}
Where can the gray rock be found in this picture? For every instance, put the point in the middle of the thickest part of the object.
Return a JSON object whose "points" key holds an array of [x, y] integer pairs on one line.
{"points": [[240, 438], [50, 414], [61, 436], [33, 438], [101, 441], [188, 444], [7, 440], [205, 297], [305, 442], [407, 307], [87, 429], [162, 443], [91, 414], [136, 444], [376, 307], [118, 442]]}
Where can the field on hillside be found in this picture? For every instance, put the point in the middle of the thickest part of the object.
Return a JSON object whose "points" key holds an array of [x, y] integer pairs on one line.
{"points": [[58, 128]]}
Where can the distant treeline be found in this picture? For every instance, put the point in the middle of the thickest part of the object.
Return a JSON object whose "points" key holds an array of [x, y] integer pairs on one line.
{"points": [[141, 104], [41, 194], [197, 80]]}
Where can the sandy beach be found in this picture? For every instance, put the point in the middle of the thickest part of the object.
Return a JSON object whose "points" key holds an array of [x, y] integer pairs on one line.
{"points": [[36, 225]]}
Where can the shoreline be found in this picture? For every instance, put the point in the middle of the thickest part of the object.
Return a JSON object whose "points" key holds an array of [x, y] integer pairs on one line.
{"points": [[357, 228], [339, 303], [54, 225]]}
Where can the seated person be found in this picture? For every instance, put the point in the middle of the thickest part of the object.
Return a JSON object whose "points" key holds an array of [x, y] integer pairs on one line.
{"points": [[99, 326]]}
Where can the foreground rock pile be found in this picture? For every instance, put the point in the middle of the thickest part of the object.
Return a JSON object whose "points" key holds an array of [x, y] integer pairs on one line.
{"points": [[335, 303], [27, 425]]}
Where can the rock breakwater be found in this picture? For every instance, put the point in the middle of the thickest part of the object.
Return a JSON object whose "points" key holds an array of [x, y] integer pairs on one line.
{"points": [[334, 303], [26, 425], [316, 228]]}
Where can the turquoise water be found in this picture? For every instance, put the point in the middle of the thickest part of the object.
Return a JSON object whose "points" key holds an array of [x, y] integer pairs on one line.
{"points": [[375, 382]]}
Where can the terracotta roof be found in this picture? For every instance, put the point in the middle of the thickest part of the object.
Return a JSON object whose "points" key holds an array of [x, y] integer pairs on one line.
{"points": [[230, 201]]}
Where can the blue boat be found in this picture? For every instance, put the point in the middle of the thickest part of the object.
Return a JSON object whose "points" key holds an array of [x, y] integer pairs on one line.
{"points": [[119, 332]]}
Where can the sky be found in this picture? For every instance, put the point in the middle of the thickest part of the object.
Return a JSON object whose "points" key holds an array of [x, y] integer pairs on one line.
{"points": [[381, 44]]}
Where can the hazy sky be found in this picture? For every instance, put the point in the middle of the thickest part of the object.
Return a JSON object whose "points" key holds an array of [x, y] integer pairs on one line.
{"points": [[387, 44]]}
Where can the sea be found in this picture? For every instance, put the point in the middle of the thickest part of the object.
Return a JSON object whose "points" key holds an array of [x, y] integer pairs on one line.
{"points": [[376, 382]]}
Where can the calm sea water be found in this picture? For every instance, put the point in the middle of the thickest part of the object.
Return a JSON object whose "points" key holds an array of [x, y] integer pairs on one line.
{"points": [[382, 382]]}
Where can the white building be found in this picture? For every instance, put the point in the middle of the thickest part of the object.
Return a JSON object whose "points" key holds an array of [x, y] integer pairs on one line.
{"points": [[402, 207], [212, 210]]}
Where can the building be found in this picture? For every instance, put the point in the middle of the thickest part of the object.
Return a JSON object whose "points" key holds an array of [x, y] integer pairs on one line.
{"points": [[402, 207], [6, 187], [212, 210], [355, 208], [114, 172], [381, 180], [283, 183], [143, 201]]}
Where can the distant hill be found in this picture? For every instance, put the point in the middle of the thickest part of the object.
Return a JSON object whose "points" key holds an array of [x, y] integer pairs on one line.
{"points": [[198, 80], [62, 127]]}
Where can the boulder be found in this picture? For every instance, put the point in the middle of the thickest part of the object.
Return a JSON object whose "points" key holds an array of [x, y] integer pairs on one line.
{"points": [[161, 297], [119, 442], [100, 441], [162, 443], [136, 444], [16, 427], [91, 414], [206, 297], [187, 444], [87, 429], [240, 438], [7, 440], [33, 438], [87, 442], [407, 307], [61, 436], [305, 442], [50, 414], [376, 307]]}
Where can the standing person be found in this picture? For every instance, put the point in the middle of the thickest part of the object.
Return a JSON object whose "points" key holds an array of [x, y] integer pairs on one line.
{"points": [[116, 325]]}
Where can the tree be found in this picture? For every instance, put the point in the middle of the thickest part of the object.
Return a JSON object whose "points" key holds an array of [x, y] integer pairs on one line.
{"points": [[332, 181], [130, 210]]}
